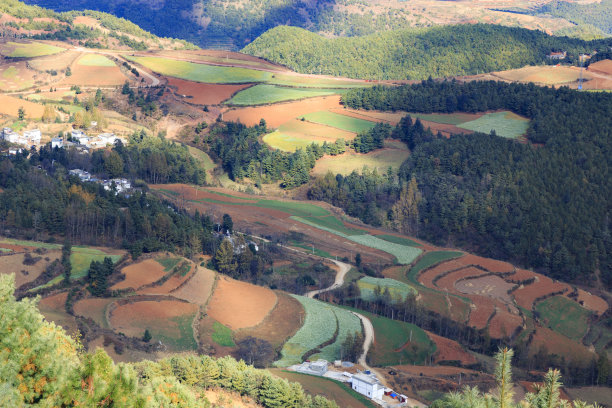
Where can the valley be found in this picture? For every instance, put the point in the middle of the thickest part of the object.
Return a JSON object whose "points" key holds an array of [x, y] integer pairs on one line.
{"points": [[310, 198]]}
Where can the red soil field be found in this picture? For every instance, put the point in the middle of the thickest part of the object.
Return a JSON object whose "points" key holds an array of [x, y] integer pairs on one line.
{"points": [[447, 283], [94, 309], [280, 324], [190, 193], [504, 324], [132, 318], [443, 128], [426, 278], [520, 275], [526, 295], [10, 105], [197, 289], [86, 75], [54, 302], [491, 286], [139, 274], [602, 67], [238, 304], [174, 282], [432, 371], [449, 350], [489, 264], [556, 343], [592, 302], [277, 114], [204, 94], [479, 316]]}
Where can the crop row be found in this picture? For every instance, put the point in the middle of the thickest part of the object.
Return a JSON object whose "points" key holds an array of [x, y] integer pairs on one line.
{"points": [[348, 323], [399, 291]]}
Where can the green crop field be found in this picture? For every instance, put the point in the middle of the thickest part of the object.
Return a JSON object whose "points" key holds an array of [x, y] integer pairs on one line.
{"points": [[82, 257], [404, 254], [203, 158], [393, 345], [10, 73], [168, 263], [303, 81], [339, 121], [447, 119], [95, 60], [348, 324], [319, 326], [184, 341], [296, 134], [380, 159], [222, 335], [264, 94], [398, 240], [335, 224], [428, 260], [31, 50], [564, 316], [398, 291], [201, 72], [505, 124]]}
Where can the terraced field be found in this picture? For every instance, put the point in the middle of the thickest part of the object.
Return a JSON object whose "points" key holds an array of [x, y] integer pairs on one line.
{"points": [[371, 287], [296, 134], [265, 94], [318, 328], [28, 49], [336, 120]]}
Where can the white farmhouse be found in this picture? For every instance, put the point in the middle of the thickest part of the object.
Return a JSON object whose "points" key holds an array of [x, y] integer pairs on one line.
{"points": [[32, 136], [57, 142], [368, 386]]}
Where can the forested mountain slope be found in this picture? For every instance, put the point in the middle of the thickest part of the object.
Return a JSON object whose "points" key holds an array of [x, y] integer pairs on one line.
{"points": [[231, 24], [414, 53], [545, 207], [93, 29]]}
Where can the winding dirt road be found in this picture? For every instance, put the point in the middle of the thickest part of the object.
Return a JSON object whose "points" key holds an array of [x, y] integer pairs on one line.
{"points": [[343, 269]]}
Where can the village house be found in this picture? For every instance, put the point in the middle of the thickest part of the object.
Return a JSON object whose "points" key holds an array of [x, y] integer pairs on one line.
{"points": [[367, 385], [81, 174], [32, 136], [57, 142], [557, 55]]}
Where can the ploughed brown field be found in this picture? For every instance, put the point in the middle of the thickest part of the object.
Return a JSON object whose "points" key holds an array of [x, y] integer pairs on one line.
{"points": [[204, 94]]}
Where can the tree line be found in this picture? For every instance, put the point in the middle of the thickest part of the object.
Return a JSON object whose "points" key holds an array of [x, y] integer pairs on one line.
{"points": [[45, 367], [415, 53], [543, 205]]}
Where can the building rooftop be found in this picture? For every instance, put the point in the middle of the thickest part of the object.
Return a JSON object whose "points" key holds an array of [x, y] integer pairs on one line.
{"points": [[365, 378]]}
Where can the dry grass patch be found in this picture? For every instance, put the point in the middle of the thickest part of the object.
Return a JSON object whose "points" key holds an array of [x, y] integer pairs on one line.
{"points": [[350, 161], [197, 290], [239, 305], [14, 264], [10, 105]]}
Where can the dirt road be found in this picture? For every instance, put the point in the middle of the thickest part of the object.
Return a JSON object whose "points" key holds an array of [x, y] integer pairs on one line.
{"points": [[339, 281]]}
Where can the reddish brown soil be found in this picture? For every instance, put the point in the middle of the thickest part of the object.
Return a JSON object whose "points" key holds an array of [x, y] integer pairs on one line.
{"points": [[14, 264], [197, 290], [204, 94], [94, 309], [602, 67], [426, 278], [280, 324], [10, 105], [592, 302], [170, 285], [85, 75], [139, 274], [479, 316], [491, 265], [521, 275], [132, 318], [447, 283], [504, 324], [239, 304], [449, 350], [54, 302], [556, 343], [277, 114], [526, 295]]}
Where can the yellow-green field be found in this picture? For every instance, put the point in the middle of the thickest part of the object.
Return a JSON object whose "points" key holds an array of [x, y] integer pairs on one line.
{"points": [[350, 161], [95, 60], [28, 50], [505, 124], [201, 72], [298, 134], [549, 75], [264, 94]]}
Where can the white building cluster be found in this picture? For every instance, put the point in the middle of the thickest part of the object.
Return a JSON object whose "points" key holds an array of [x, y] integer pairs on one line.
{"points": [[121, 185], [79, 137], [28, 139]]}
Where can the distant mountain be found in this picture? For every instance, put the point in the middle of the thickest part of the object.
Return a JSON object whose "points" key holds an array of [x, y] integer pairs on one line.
{"points": [[232, 25], [92, 29], [415, 53]]}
